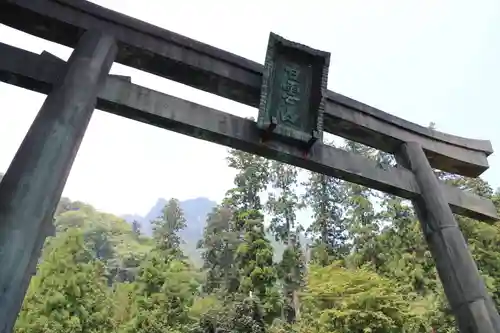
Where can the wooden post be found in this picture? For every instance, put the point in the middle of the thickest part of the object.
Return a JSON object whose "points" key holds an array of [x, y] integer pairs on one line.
{"points": [[33, 184], [47, 230], [470, 302]]}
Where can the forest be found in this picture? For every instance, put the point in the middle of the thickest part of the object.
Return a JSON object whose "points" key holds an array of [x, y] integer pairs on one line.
{"points": [[365, 268]]}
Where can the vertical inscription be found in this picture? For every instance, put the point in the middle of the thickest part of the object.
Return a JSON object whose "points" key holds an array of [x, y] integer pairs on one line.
{"points": [[288, 112], [292, 94]]}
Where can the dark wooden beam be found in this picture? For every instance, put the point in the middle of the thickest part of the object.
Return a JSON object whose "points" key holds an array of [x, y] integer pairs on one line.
{"points": [[118, 96], [32, 186], [464, 287], [202, 66], [361, 123]]}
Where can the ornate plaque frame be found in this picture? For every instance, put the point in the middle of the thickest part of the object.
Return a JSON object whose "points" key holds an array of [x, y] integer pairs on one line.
{"points": [[293, 92]]}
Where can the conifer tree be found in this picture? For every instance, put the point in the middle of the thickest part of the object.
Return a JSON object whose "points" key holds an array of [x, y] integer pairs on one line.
{"points": [[219, 245], [326, 198], [252, 178], [254, 267], [166, 228], [360, 215], [283, 204], [254, 261]]}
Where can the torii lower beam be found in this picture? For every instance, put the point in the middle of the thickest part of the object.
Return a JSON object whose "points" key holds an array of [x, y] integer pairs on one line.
{"points": [[119, 96], [176, 57], [32, 186]]}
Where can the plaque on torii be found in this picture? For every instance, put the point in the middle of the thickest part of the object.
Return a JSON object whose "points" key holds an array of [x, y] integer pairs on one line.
{"points": [[292, 99], [292, 102]]}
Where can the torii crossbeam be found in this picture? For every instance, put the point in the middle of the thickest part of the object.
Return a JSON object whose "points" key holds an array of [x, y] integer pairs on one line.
{"points": [[34, 182]]}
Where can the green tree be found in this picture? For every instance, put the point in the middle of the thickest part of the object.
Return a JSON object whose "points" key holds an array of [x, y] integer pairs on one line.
{"points": [[284, 201], [357, 300], [371, 271], [252, 178], [108, 237], [164, 291], [326, 197], [360, 216], [253, 261], [69, 293], [219, 244], [244, 200], [404, 254], [123, 300], [283, 204], [98, 242], [166, 228], [240, 316]]}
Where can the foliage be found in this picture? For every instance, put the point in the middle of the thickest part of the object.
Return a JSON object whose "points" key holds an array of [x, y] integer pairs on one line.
{"points": [[254, 272], [109, 238], [251, 179], [283, 205], [254, 261], [162, 296], [219, 244], [123, 296], [69, 293], [345, 300], [326, 198], [369, 268], [239, 316], [166, 228]]}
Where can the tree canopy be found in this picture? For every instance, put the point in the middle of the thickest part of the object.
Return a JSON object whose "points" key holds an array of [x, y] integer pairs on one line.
{"points": [[358, 264]]}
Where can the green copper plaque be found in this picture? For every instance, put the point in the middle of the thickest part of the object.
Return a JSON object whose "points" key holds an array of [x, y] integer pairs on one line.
{"points": [[293, 91]]}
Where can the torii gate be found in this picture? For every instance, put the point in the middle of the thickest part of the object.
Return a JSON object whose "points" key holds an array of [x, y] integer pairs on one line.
{"points": [[294, 109]]}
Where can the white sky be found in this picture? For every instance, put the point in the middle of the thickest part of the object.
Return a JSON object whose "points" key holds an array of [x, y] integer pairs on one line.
{"points": [[421, 60]]}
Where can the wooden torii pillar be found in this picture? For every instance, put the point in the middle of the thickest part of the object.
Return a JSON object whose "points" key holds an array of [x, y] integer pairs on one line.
{"points": [[32, 186], [33, 183], [470, 302]]}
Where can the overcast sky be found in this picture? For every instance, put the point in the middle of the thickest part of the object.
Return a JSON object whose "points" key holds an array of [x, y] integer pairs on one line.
{"points": [[421, 60]]}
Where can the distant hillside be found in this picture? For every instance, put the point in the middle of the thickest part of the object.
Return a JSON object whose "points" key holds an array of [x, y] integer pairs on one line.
{"points": [[195, 212], [107, 236]]}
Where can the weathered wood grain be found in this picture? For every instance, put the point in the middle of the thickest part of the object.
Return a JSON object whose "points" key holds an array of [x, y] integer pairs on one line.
{"points": [[202, 66], [462, 283], [135, 102], [32, 186]]}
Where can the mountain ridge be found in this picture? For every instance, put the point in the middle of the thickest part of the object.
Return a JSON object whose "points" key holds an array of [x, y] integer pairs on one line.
{"points": [[195, 212]]}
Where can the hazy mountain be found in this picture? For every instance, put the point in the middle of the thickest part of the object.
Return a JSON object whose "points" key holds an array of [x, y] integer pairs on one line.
{"points": [[195, 212]]}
